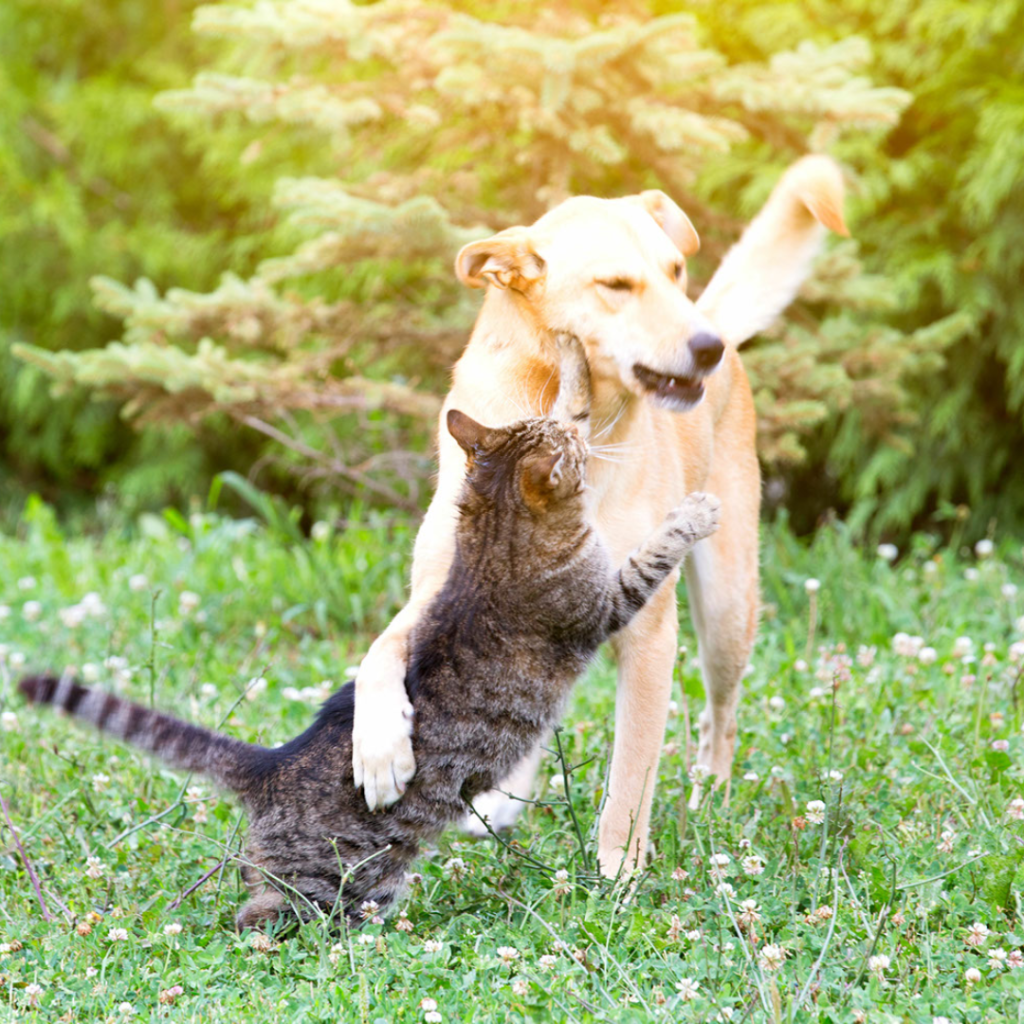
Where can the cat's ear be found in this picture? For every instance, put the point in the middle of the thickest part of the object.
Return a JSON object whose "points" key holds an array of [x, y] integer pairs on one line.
{"points": [[541, 478], [471, 435], [506, 260]]}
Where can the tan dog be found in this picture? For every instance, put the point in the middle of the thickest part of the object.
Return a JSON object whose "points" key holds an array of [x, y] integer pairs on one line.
{"points": [[672, 413]]}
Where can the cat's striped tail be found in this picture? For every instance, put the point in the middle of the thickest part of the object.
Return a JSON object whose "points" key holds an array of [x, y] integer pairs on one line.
{"points": [[229, 762]]}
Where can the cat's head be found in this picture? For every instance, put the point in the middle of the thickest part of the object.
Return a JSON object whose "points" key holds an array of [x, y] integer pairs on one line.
{"points": [[535, 466], [538, 465]]}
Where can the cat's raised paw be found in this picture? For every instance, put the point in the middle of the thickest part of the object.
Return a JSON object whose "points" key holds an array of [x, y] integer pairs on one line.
{"points": [[697, 517]]}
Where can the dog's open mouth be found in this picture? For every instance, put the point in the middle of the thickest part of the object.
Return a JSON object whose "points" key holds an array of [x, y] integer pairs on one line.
{"points": [[672, 392]]}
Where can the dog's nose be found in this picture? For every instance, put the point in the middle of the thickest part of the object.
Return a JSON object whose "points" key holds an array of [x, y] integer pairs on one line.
{"points": [[706, 349]]}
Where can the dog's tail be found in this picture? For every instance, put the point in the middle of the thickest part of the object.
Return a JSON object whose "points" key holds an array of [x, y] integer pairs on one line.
{"points": [[230, 763], [762, 273]]}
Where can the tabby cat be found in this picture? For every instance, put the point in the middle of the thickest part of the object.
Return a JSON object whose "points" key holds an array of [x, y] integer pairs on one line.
{"points": [[530, 596]]}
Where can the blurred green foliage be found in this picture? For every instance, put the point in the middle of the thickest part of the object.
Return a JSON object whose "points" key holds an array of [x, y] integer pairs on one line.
{"points": [[888, 384]]}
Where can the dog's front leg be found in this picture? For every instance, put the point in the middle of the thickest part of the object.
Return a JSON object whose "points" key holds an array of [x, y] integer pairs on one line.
{"points": [[646, 652]]}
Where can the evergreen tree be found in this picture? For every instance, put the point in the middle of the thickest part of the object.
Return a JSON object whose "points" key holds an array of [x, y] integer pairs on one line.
{"points": [[444, 122]]}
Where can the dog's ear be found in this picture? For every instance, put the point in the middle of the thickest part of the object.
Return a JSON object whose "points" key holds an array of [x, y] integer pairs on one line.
{"points": [[505, 260], [671, 220], [472, 436]]}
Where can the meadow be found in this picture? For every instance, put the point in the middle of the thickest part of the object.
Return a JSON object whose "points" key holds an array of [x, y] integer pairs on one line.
{"points": [[867, 866]]}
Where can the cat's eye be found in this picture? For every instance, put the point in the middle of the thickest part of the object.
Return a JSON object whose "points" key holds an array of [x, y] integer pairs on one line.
{"points": [[618, 284]]}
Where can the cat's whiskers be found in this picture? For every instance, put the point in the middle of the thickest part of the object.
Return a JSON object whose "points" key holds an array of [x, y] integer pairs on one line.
{"points": [[608, 426]]}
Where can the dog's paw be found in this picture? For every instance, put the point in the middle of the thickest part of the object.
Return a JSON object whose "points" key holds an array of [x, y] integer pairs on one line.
{"points": [[499, 810], [382, 757], [696, 518]]}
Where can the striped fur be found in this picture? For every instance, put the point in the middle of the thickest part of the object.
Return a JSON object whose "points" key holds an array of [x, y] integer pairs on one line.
{"points": [[188, 747]]}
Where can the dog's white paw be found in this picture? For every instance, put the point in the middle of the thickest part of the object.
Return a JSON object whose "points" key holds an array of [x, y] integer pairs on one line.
{"points": [[382, 759], [500, 811]]}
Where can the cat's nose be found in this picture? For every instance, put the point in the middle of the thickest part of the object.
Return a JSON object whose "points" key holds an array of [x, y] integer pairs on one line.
{"points": [[706, 349]]}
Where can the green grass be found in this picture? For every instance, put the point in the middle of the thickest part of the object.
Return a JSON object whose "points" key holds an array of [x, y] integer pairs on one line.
{"points": [[913, 741]]}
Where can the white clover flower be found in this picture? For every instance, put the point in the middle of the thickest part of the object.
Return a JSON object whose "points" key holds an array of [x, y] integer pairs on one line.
{"points": [[9, 722], [1001, 746], [971, 574], [321, 531], [72, 617], [454, 867], [752, 865], [1016, 652], [749, 913], [100, 782], [427, 1004], [927, 655], [835, 776], [520, 986], [687, 989], [799, 665], [508, 954], [90, 672], [188, 601], [27, 583], [1015, 809], [699, 774], [126, 1009], [812, 586], [776, 703], [547, 962], [368, 909], [962, 646], [94, 867], [816, 692], [726, 890], [137, 582], [432, 1017], [977, 934], [255, 687], [751, 777], [972, 975], [208, 691], [878, 964], [693, 936], [174, 928], [771, 957], [778, 771], [561, 884], [5, 612], [93, 606], [946, 841], [366, 940], [997, 959], [337, 953], [720, 859], [117, 935], [432, 946], [888, 552], [1015, 960], [31, 610], [984, 548], [815, 814]]}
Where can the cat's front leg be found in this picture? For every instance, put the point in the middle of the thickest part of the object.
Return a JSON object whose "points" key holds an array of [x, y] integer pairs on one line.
{"points": [[659, 556]]}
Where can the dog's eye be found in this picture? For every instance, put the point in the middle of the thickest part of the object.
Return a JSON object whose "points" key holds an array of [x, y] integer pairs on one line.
{"points": [[677, 271], [618, 284]]}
